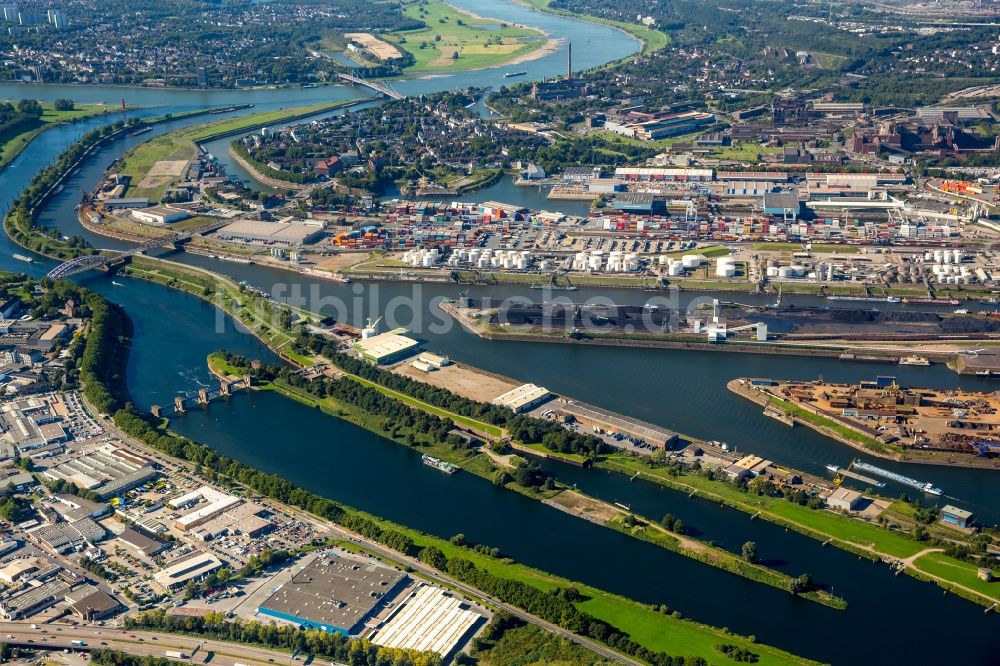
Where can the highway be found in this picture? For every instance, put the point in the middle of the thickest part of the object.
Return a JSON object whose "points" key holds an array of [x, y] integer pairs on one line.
{"points": [[59, 637], [394, 556]]}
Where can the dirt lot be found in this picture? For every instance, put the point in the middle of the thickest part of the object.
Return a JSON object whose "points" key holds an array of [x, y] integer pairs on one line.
{"points": [[459, 379], [376, 46], [341, 261], [162, 172]]}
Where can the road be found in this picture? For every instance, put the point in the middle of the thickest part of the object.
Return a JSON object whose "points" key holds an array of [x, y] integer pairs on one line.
{"points": [[59, 637], [396, 557]]}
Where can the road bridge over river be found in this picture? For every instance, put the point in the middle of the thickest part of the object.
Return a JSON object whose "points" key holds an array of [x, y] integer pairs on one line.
{"points": [[381, 88], [104, 261]]}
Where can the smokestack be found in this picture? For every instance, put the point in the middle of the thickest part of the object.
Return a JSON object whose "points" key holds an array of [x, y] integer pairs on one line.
{"points": [[569, 61]]}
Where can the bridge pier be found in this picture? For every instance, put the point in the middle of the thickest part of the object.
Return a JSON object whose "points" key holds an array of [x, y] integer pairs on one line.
{"points": [[179, 405], [246, 381], [203, 396], [155, 410], [224, 388]]}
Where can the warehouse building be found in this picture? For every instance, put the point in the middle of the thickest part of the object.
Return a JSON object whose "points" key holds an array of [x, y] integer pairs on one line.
{"points": [[523, 398], [189, 568], [844, 499], [386, 348], [215, 502], [108, 471], [257, 232], [160, 215], [89, 603], [334, 594], [429, 620], [142, 541]]}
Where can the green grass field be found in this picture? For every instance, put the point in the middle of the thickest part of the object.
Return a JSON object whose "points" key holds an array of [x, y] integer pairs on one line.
{"points": [[182, 145], [797, 247], [963, 573], [479, 42]]}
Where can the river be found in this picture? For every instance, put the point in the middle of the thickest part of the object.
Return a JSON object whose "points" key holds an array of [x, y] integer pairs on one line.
{"points": [[684, 390]]}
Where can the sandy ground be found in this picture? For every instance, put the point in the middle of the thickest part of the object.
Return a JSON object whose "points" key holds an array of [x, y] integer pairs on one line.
{"points": [[378, 48], [162, 172], [460, 379], [341, 261]]}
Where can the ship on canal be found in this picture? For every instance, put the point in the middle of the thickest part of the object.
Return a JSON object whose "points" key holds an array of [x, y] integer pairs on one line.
{"points": [[438, 464], [928, 488]]}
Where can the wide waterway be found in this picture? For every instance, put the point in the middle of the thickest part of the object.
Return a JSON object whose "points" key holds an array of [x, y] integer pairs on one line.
{"points": [[892, 620]]}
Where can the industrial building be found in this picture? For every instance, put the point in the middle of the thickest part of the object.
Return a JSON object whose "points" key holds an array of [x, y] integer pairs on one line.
{"points": [[142, 542], [334, 594], [386, 348], [523, 398], [955, 516], [429, 620], [215, 502], [108, 471], [160, 215], [89, 603], [189, 568], [286, 234], [844, 499]]}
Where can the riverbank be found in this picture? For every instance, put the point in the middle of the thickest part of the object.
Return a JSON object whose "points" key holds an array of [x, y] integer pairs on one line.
{"points": [[480, 463], [862, 538], [845, 433], [13, 145], [650, 38]]}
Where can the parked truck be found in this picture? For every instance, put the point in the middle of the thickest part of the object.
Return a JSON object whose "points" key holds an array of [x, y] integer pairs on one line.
{"points": [[174, 654]]}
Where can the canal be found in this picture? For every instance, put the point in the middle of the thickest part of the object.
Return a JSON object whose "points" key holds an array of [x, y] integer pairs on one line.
{"points": [[684, 390]]}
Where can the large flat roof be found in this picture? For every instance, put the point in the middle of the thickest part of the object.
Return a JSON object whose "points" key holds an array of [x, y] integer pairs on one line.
{"points": [[519, 397], [385, 345], [332, 593]]}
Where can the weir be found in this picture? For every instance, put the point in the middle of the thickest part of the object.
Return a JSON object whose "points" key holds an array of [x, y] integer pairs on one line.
{"points": [[203, 396]]}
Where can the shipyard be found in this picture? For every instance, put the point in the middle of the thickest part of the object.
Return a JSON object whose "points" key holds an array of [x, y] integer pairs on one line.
{"points": [[945, 427]]}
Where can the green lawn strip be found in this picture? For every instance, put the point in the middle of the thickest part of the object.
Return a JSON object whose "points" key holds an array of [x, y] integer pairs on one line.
{"points": [[823, 422], [708, 252], [720, 559], [541, 448], [856, 535], [962, 573], [797, 247]]}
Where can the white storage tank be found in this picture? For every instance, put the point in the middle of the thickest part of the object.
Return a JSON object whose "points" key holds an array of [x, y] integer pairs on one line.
{"points": [[725, 267], [772, 271], [691, 260], [676, 268]]}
